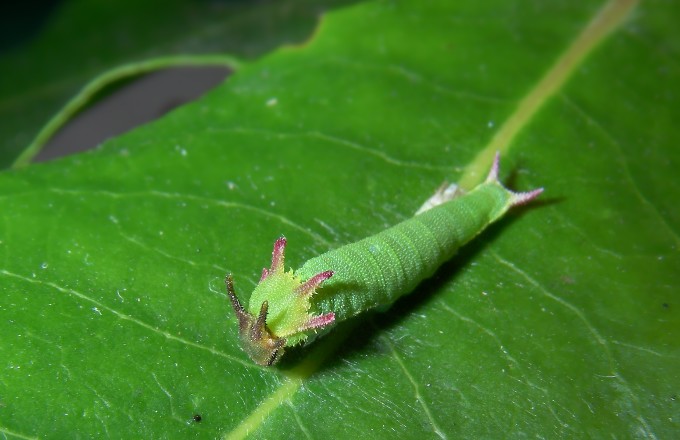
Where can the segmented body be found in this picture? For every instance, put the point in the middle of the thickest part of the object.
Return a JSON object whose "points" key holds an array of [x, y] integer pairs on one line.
{"points": [[379, 269], [285, 307]]}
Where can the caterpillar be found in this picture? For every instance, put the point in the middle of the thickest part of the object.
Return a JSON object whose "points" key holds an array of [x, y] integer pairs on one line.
{"points": [[286, 308]]}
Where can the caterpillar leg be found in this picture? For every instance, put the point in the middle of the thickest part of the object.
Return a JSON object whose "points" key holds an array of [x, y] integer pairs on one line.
{"points": [[443, 194]]}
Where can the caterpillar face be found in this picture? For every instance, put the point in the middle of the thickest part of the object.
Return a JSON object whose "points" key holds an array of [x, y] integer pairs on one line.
{"points": [[265, 331]]}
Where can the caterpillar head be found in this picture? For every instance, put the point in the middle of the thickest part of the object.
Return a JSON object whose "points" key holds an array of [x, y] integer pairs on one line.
{"points": [[278, 311]]}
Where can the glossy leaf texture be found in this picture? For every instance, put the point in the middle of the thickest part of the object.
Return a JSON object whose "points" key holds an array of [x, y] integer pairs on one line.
{"points": [[560, 321]]}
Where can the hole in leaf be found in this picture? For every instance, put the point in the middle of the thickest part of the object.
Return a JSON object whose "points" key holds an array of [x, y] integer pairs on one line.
{"points": [[127, 104]]}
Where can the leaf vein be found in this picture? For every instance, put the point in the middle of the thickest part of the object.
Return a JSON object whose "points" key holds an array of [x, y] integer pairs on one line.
{"points": [[296, 416], [197, 199], [626, 169], [416, 389], [609, 17], [386, 158], [600, 340], [128, 318], [165, 254], [415, 77], [645, 350], [6, 431], [511, 359]]}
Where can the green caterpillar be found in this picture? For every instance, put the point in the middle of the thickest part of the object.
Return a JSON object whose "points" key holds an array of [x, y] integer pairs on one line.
{"points": [[285, 308]]}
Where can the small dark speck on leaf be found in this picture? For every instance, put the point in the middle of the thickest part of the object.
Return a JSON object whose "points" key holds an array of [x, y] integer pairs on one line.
{"points": [[567, 279], [665, 305], [197, 418]]}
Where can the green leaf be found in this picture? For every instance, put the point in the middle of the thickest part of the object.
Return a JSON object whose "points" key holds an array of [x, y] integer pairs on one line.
{"points": [[106, 43], [561, 321]]}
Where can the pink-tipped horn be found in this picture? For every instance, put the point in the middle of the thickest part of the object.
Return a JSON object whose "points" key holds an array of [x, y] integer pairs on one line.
{"points": [[318, 321], [278, 254], [493, 172], [525, 197], [309, 286]]}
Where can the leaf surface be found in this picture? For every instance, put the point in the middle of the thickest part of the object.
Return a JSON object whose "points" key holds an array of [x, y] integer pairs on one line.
{"points": [[86, 49], [560, 321]]}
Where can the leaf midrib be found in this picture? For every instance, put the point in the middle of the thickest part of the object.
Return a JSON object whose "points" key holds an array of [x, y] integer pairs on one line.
{"points": [[607, 19]]}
